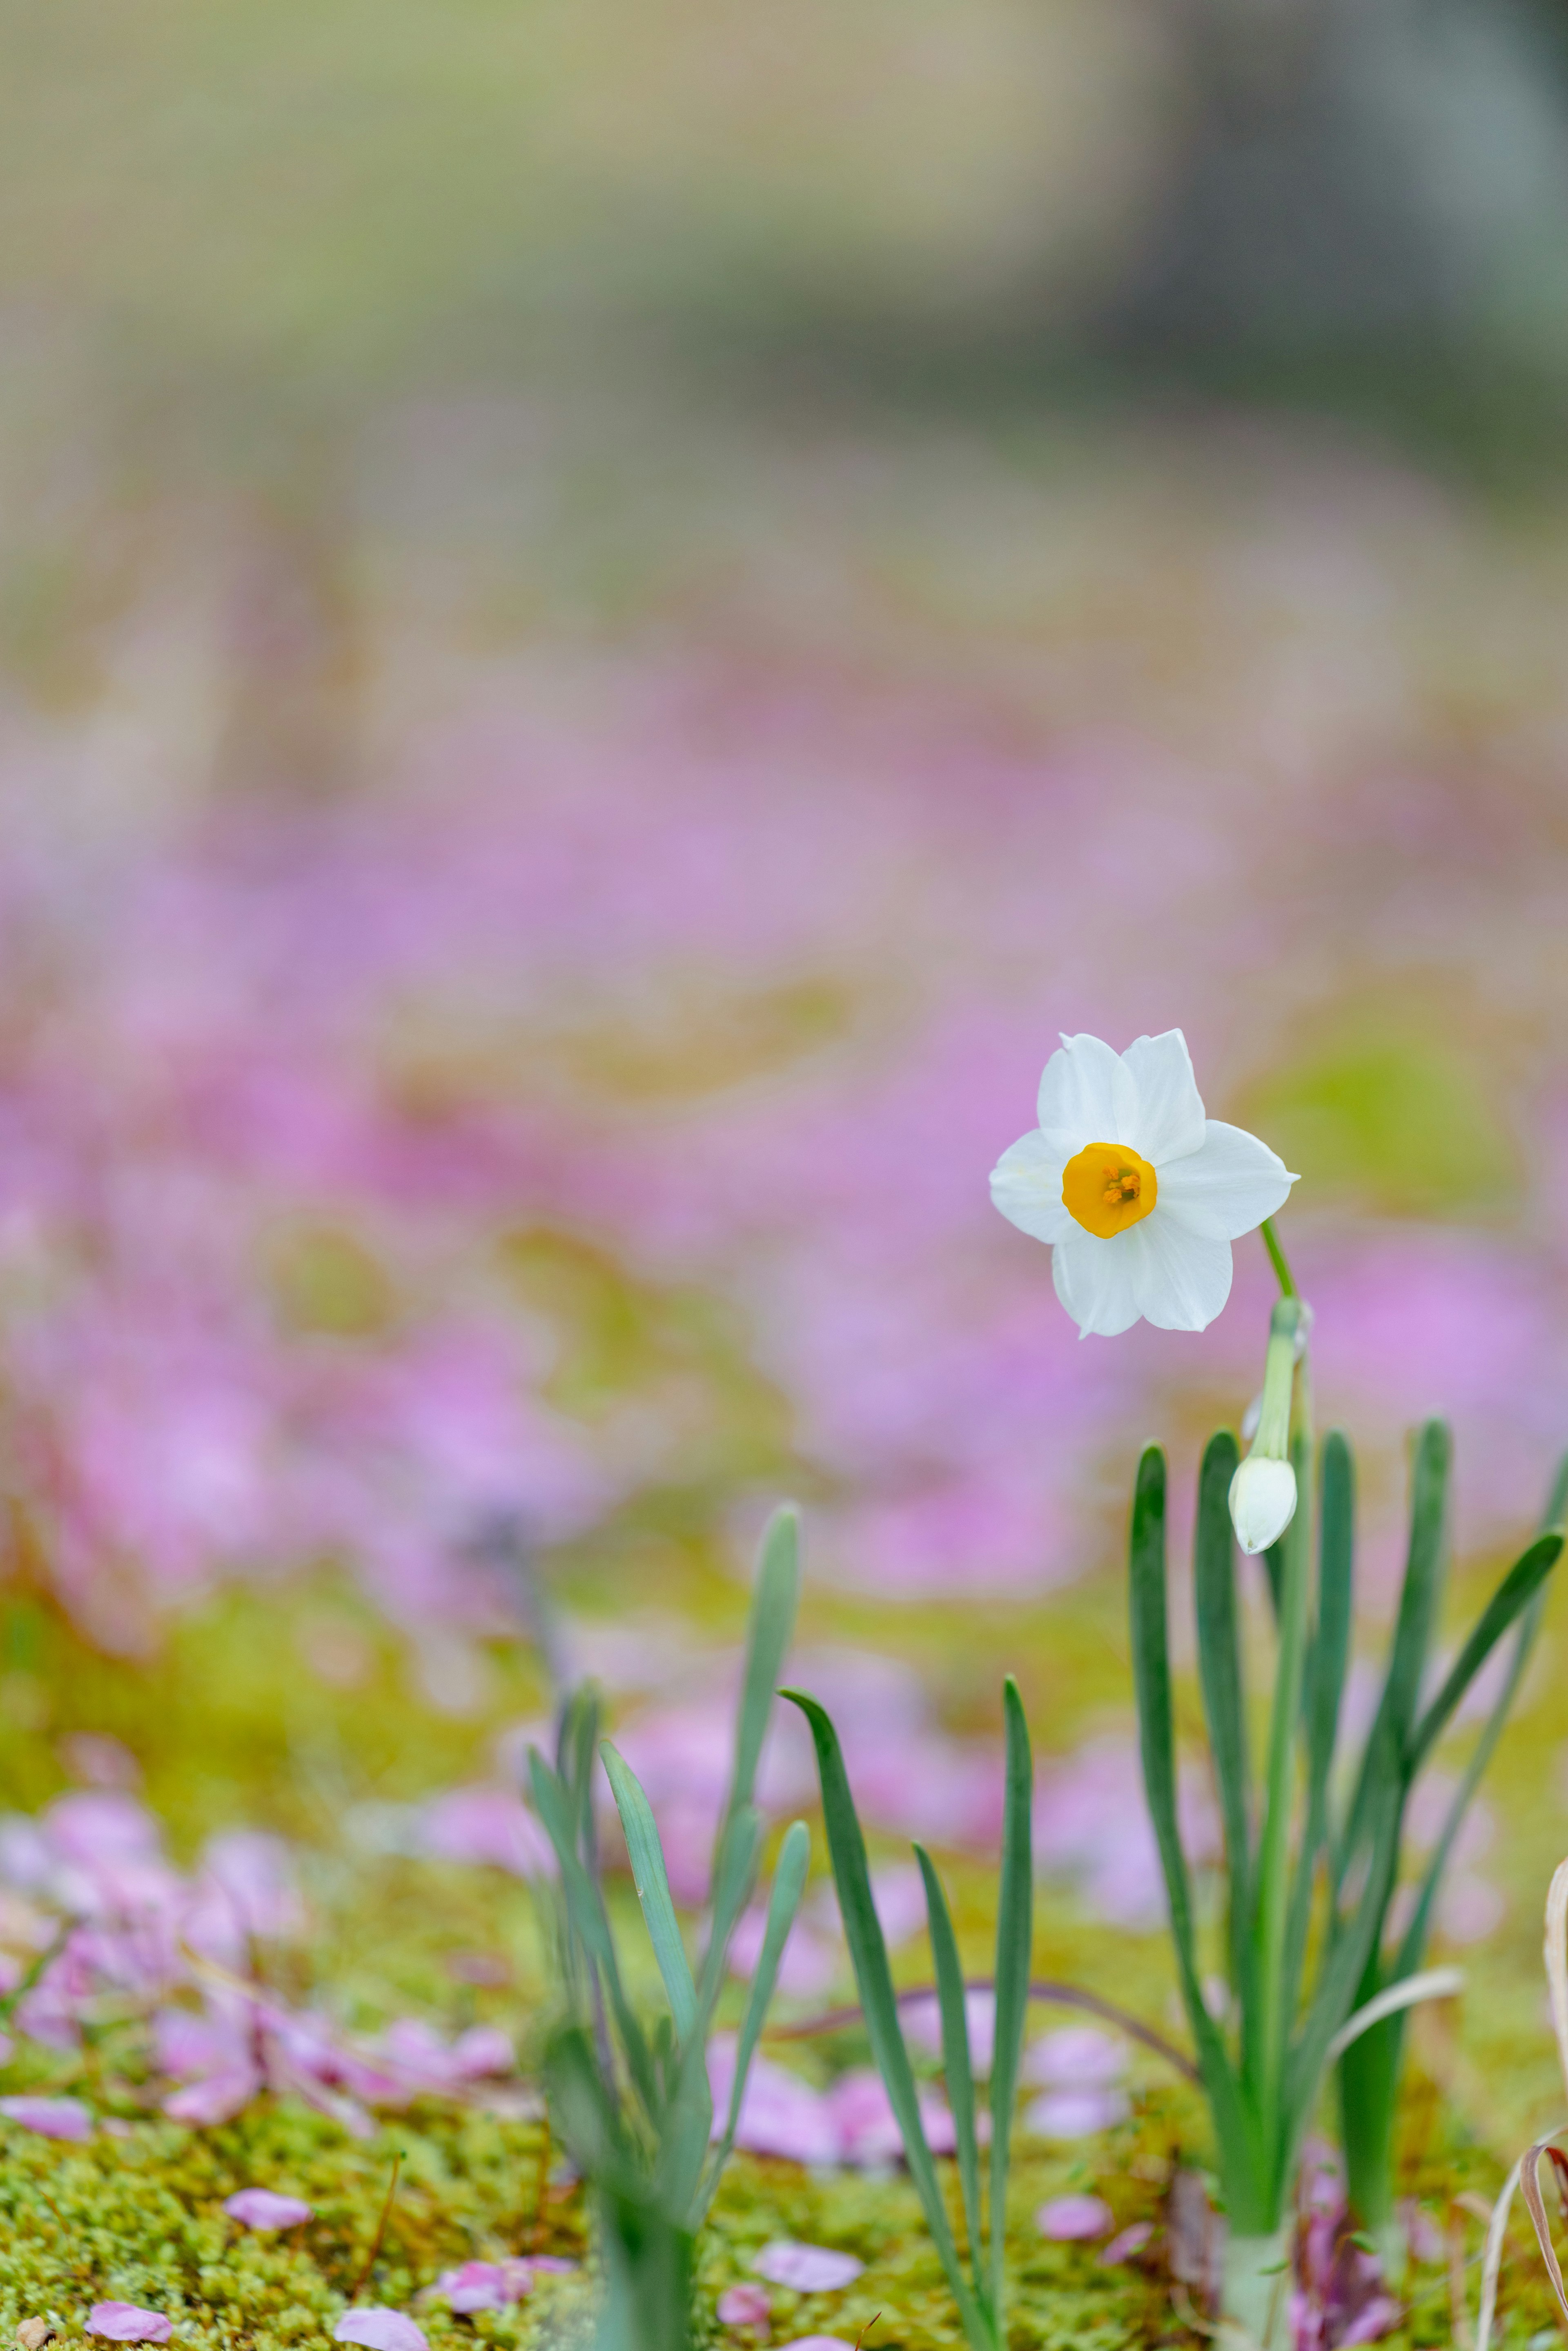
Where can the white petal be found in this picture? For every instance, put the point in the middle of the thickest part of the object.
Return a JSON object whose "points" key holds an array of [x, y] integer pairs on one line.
{"points": [[1182, 1278], [1263, 1502], [1088, 1094], [1226, 1189], [1026, 1185], [1169, 1122], [1094, 1281]]}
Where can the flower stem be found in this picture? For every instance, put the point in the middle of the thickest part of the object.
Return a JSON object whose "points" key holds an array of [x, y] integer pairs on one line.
{"points": [[1277, 1260]]}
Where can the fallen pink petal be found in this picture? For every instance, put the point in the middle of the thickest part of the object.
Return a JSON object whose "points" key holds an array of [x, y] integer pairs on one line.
{"points": [[1126, 2243], [65, 2118], [123, 2322], [264, 2208], [806, 2269], [744, 2306], [1066, 2219], [380, 2330]]}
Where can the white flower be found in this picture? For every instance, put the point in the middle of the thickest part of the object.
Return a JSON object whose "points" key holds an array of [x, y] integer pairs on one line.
{"points": [[1262, 1500], [1138, 1193]]}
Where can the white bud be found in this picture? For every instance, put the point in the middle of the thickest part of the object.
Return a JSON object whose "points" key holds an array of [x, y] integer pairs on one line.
{"points": [[1263, 1502]]}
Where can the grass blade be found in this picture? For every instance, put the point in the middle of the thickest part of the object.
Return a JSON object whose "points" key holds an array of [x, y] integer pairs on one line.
{"points": [[1418, 1599], [734, 1878], [955, 2065], [1326, 1664], [585, 1907], [769, 1633], [685, 2132], [1422, 1592], [783, 1902], [868, 1951], [1224, 1701], [1156, 1740], [651, 1879], [1345, 1965], [1513, 1594], [1015, 1949]]}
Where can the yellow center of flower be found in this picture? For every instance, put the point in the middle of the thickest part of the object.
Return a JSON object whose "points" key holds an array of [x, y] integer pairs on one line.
{"points": [[1108, 1188]]}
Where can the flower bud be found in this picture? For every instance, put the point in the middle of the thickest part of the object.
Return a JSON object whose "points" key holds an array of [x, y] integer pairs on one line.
{"points": [[1263, 1502]]}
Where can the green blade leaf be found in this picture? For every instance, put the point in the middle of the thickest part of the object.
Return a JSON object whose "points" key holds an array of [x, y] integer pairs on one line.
{"points": [[585, 1907], [651, 1879], [1424, 1573], [1156, 1742], [1556, 1508], [1014, 1951], [685, 2130], [1326, 1667], [767, 1636], [1224, 1701], [868, 1951], [1370, 2070], [783, 1902], [585, 2113], [1346, 1966], [1513, 1594], [955, 2065], [1418, 1601], [734, 1877]]}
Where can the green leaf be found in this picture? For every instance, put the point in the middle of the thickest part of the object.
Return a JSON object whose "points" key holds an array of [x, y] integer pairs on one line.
{"points": [[1556, 1508], [1224, 1703], [734, 1877], [768, 1634], [585, 2113], [1343, 1967], [1424, 1572], [686, 2128], [868, 1951], [1015, 1951], [1327, 1665], [651, 1881], [1418, 1601], [1513, 1594], [1156, 1740], [955, 2065], [783, 1902], [585, 1908]]}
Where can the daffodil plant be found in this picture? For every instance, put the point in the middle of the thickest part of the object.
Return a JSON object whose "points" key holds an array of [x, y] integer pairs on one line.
{"points": [[1141, 1196], [633, 2103]]}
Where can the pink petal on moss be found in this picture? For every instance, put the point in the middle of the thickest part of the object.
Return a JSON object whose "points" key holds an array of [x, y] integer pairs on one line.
{"points": [[122, 2322], [479, 2285], [1066, 2218], [51, 2118], [1126, 2243], [806, 2269], [263, 2207], [217, 2098], [380, 2330], [744, 2306]]}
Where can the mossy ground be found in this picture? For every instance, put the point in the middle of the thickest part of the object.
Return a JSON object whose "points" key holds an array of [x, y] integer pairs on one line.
{"points": [[228, 1727], [138, 2216]]}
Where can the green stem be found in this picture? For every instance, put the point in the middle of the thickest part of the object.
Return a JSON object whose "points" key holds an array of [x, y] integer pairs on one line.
{"points": [[1277, 1260]]}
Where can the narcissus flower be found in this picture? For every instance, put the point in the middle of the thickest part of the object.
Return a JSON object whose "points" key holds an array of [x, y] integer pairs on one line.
{"points": [[1139, 1194]]}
